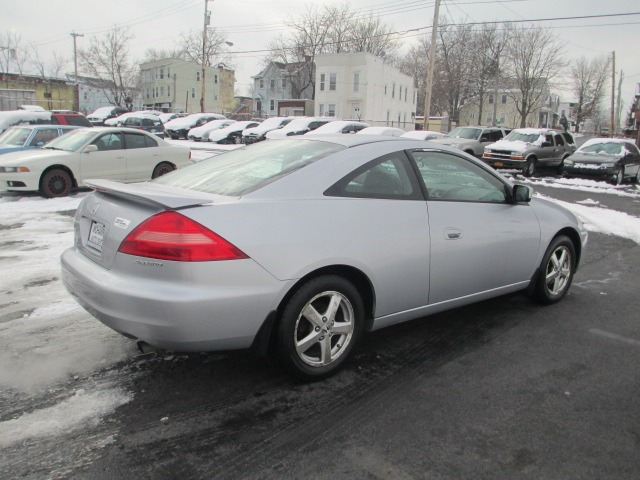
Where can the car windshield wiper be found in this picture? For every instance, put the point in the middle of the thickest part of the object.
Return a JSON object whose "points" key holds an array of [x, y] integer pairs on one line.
{"points": [[52, 148]]}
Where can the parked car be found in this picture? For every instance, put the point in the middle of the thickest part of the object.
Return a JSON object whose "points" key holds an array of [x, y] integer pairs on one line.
{"points": [[472, 140], [148, 123], [38, 117], [299, 126], [611, 159], [166, 117], [229, 134], [179, 127], [526, 149], [114, 153], [101, 114], [197, 134], [69, 117], [234, 252], [339, 126], [119, 120], [422, 135], [27, 137], [386, 131], [257, 134]]}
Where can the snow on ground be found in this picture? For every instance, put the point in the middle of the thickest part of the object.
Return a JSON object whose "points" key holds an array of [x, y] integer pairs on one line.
{"points": [[583, 185]]}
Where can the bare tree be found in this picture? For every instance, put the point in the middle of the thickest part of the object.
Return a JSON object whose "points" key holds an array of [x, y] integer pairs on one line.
{"points": [[153, 54], [454, 64], [588, 79], [14, 56], [488, 45], [329, 29], [107, 58], [534, 60], [414, 63], [190, 48]]}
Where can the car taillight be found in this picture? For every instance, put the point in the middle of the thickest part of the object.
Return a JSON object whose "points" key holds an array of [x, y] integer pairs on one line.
{"points": [[172, 236]]}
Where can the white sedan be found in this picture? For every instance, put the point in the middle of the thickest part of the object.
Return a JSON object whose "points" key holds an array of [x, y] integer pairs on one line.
{"points": [[123, 154], [388, 131]]}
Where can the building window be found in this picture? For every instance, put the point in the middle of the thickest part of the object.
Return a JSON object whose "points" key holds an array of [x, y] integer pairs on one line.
{"points": [[259, 106], [473, 115], [168, 72], [388, 116], [284, 83], [414, 97], [504, 99], [162, 91], [321, 81], [215, 78], [322, 110], [490, 98], [261, 83], [331, 111], [405, 94], [197, 76], [356, 82], [162, 73], [400, 93], [168, 90], [156, 92], [404, 122], [385, 90], [272, 83], [193, 93], [393, 90], [332, 81], [272, 105], [86, 96], [148, 94]]}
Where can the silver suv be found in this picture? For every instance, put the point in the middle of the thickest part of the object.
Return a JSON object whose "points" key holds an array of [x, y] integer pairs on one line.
{"points": [[526, 149], [472, 139]]}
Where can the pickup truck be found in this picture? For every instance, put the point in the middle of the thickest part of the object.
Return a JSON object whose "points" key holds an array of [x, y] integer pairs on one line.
{"points": [[526, 149], [472, 139]]}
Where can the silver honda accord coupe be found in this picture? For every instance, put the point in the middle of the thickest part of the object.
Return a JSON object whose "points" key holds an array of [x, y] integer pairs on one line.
{"points": [[297, 247]]}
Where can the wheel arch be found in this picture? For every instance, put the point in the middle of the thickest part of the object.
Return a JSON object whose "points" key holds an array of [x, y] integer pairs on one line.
{"points": [[266, 337], [74, 181]]}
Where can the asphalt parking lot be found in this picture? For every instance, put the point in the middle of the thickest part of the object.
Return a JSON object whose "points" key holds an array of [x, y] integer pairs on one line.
{"points": [[501, 389]]}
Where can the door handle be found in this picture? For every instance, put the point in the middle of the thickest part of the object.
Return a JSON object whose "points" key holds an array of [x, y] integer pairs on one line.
{"points": [[452, 234]]}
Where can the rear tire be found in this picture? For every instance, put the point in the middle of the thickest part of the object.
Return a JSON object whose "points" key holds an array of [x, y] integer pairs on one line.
{"points": [[162, 169], [619, 177], [556, 271], [319, 326], [55, 183]]}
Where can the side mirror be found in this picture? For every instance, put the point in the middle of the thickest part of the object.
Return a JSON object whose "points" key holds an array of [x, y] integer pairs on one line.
{"points": [[40, 143], [90, 148], [522, 194], [546, 144]]}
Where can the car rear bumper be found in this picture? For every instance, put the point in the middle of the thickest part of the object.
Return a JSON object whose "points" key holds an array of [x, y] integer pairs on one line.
{"points": [[223, 312]]}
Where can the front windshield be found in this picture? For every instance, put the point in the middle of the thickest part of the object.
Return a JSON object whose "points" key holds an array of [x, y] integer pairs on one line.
{"points": [[603, 148], [297, 124], [246, 169], [102, 111], [272, 122], [71, 141], [468, 133], [522, 137], [15, 136]]}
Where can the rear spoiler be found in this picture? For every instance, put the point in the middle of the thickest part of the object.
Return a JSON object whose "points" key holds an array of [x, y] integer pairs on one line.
{"points": [[155, 194]]}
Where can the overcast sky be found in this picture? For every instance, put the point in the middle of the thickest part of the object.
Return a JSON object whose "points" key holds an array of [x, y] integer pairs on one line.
{"points": [[251, 24]]}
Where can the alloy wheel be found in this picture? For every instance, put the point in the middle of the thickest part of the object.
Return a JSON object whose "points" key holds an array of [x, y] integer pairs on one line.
{"points": [[558, 271]]}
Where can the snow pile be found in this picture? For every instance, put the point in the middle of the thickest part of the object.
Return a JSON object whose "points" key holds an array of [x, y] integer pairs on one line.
{"points": [[583, 185], [20, 117], [81, 410]]}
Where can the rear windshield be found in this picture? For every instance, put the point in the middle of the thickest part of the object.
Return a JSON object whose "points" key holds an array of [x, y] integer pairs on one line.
{"points": [[249, 168], [77, 120]]}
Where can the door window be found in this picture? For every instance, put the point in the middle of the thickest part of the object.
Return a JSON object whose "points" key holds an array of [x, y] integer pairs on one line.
{"points": [[559, 140], [109, 141], [133, 140], [451, 178], [45, 135]]}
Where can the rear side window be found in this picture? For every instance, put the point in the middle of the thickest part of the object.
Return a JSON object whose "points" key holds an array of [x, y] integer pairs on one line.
{"points": [[390, 177], [559, 139], [133, 140], [150, 142], [249, 168], [44, 135]]}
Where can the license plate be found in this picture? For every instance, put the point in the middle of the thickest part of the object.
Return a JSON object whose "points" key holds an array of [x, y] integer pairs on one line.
{"points": [[96, 235], [498, 164]]}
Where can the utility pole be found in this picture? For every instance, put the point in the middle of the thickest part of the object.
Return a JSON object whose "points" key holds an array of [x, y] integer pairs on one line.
{"points": [[432, 58], [76, 99], [207, 20], [613, 92], [619, 99], [495, 100]]}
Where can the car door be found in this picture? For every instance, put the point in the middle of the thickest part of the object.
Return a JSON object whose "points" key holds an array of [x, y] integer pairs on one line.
{"points": [[546, 152], [560, 148], [109, 161], [142, 156], [480, 240], [631, 160]]}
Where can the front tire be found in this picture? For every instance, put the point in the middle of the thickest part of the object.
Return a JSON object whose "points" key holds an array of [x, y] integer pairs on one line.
{"points": [[556, 271], [619, 177], [530, 167], [319, 326], [56, 183]]}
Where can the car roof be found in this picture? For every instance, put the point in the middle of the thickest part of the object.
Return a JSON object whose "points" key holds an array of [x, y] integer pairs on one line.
{"points": [[348, 140]]}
